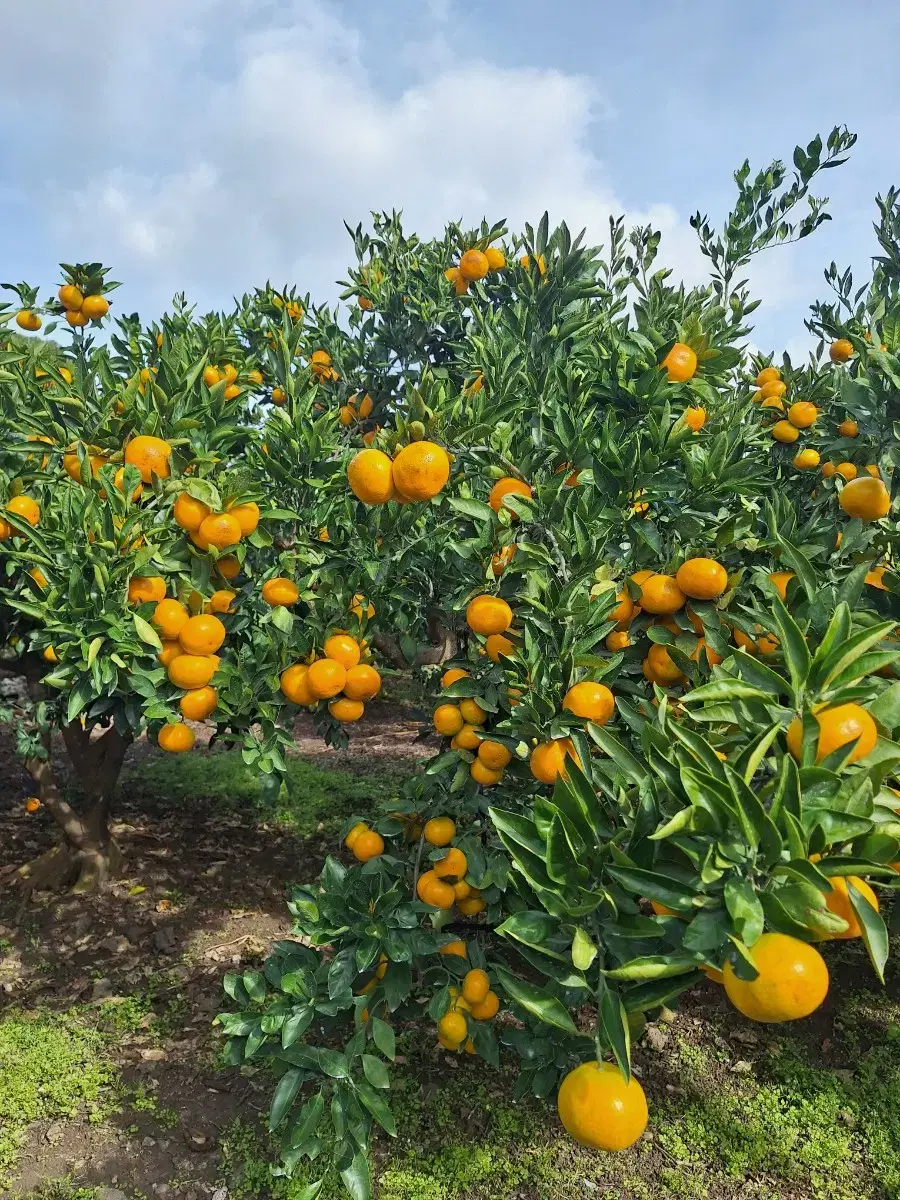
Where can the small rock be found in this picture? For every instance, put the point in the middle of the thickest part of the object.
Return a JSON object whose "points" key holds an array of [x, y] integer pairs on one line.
{"points": [[54, 1132], [111, 1193], [656, 1038], [220, 1194], [742, 1067], [747, 1036], [82, 925], [165, 940], [153, 1055], [148, 1142], [101, 990], [667, 1016], [116, 944]]}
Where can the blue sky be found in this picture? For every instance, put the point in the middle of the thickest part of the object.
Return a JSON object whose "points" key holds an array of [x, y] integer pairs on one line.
{"points": [[208, 145]]}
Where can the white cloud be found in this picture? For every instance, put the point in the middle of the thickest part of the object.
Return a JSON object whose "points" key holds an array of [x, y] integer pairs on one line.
{"points": [[222, 143]]}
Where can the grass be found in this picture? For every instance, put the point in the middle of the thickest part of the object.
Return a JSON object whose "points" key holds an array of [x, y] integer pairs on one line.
{"points": [[312, 799], [51, 1066]]}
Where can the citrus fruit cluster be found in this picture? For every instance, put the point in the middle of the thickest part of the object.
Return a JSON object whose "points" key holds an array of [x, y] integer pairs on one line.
{"points": [[339, 677], [473, 265], [208, 529], [475, 1001], [418, 472], [444, 884]]}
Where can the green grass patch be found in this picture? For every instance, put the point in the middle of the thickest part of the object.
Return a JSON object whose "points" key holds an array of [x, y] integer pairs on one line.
{"points": [[310, 795], [51, 1066]]}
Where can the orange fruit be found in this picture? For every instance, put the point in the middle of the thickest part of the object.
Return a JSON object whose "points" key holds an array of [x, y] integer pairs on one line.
{"points": [[346, 711], [775, 388], [838, 726], [468, 738], [847, 471], [94, 307], [434, 891], [119, 481], [525, 263], [150, 455], [246, 515], [591, 700], [448, 720], [228, 566], [475, 987], [486, 1009], [494, 755], [170, 649], [367, 845], [295, 686], [838, 902], [362, 683], [232, 391], [866, 498], [453, 1028], [31, 322], [370, 475], [203, 634], [875, 578], [456, 947], [829, 469], [848, 428], [781, 579], [767, 375], [806, 460], [802, 414], [680, 363], [326, 678], [279, 396], [169, 618], [662, 669], [197, 705], [841, 350], [191, 671], [346, 415], [661, 594], [784, 431], [624, 609], [471, 906], [360, 608], [548, 759], [280, 591], [32, 804], [175, 738], [474, 265], [38, 576], [617, 641], [71, 297], [220, 530], [873, 470], [343, 649], [773, 402], [489, 614], [484, 775], [440, 831], [599, 1109], [26, 508], [695, 418], [472, 712], [501, 560], [452, 866], [421, 470], [495, 257], [451, 675], [792, 980], [147, 588], [702, 578], [499, 646], [188, 512], [220, 601], [358, 828], [508, 486]]}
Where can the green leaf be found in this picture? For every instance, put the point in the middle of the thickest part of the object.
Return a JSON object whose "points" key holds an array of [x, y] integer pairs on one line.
{"points": [[375, 1071], [539, 1002], [285, 1092], [872, 927], [718, 690], [793, 644], [377, 1107], [630, 766], [745, 910], [583, 950], [146, 632], [653, 966], [614, 1022], [384, 1038], [356, 1175], [94, 649], [476, 509]]}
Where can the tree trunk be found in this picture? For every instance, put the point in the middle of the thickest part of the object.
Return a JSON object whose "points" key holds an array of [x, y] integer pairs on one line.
{"points": [[443, 645], [86, 856]]}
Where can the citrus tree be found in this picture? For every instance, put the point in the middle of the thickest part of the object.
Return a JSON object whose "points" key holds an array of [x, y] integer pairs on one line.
{"points": [[666, 689]]}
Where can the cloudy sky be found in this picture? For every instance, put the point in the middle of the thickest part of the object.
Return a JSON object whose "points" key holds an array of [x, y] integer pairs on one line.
{"points": [[207, 145]]}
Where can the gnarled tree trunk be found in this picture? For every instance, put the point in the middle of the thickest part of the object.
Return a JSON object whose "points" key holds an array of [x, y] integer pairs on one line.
{"points": [[86, 856]]}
